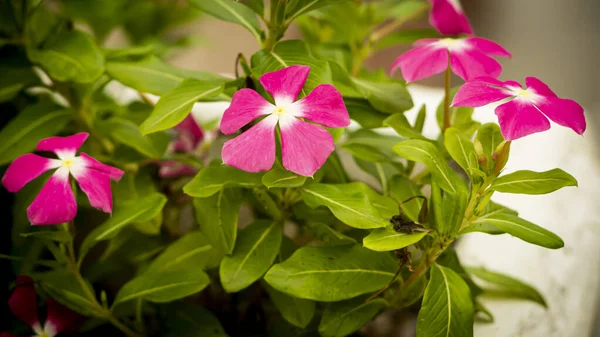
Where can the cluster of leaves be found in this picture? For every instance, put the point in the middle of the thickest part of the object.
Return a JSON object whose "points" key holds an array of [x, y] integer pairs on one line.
{"points": [[172, 257]]}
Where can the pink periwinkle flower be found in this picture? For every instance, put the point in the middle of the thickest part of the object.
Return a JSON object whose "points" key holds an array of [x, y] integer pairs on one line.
{"points": [[304, 146], [527, 110], [189, 136], [23, 304], [56, 203], [469, 58], [448, 17]]}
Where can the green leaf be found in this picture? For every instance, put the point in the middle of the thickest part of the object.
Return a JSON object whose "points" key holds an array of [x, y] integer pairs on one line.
{"points": [[128, 133], [490, 136], [366, 152], [192, 249], [530, 182], [332, 273], [291, 52], [296, 8], [212, 179], [189, 320], [406, 36], [401, 189], [345, 202], [343, 318], [231, 11], [255, 250], [173, 107], [461, 149], [62, 286], [32, 124], [447, 308], [426, 153], [361, 111], [72, 56], [297, 311], [257, 6], [386, 96], [125, 213], [282, 178], [52, 235], [523, 229], [447, 209], [153, 76], [387, 239], [164, 285], [129, 53], [400, 124], [500, 285], [326, 234], [15, 77], [485, 227], [218, 218]]}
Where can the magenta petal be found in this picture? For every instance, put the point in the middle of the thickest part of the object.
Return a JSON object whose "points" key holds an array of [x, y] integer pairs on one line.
{"points": [[113, 172], [23, 302], [421, 62], [519, 118], [24, 169], [539, 87], [285, 84], [246, 106], [425, 42], [470, 64], [189, 127], [59, 145], [480, 92], [487, 47], [59, 317], [96, 185], [325, 106], [564, 112], [253, 150], [304, 147], [55, 203], [448, 19]]}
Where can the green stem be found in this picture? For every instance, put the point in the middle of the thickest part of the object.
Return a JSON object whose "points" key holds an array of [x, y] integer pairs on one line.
{"points": [[446, 123], [139, 317]]}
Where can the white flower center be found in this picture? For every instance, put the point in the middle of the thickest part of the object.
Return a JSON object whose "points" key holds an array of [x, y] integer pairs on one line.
{"points": [[527, 95], [286, 112], [452, 44], [68, 163]]}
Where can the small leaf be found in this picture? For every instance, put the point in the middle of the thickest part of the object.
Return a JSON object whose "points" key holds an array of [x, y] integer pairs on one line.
{"points": [[255, 250], [297, 311], [343, 318], [231, 11], [447, 209], [426, 153], [523, 229], [447, 308], [361, 111], [282, 178], [400, 124], [189, 320], [387, 239], [32, 124], [490, 136], [326, 234], [345, 202], [173, 107], [72, 56], [462, 150], [332, 273], [296, 8], [490, 209], [530, 182], [15, 77], [62, 286], [496, 284], [52, 235], [218, 218], [212, 179], [387, 96], [128, 133], [192, 249]]}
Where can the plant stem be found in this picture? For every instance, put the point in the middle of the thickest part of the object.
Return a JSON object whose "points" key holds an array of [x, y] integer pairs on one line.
{"points": [[446, 123]]}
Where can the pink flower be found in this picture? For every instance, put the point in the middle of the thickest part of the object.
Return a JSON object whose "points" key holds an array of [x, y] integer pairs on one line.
{"points": [[23, 304], [304, 146], [448, 17], [189, 136], [56, 203], [527, 110], [469, 58]]}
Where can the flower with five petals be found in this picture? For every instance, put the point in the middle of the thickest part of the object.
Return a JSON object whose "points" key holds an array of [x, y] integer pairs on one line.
{"points": [[304, 146]]}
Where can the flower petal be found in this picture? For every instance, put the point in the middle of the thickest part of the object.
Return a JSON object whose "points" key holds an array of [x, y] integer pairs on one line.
{"points": [[253, 150], [55, 203], [470, 64], [539, 87], [425, 42], [304, 146], [63, 146], [479, 92], [519, 118], [487, 47], [421, 62], [59, 318], [113, 172], [246, 106], [26, 168], [285, 84], [96, 185], [448, 18], [23, 301], [325, 106], [189, 127], [564, 112]]}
